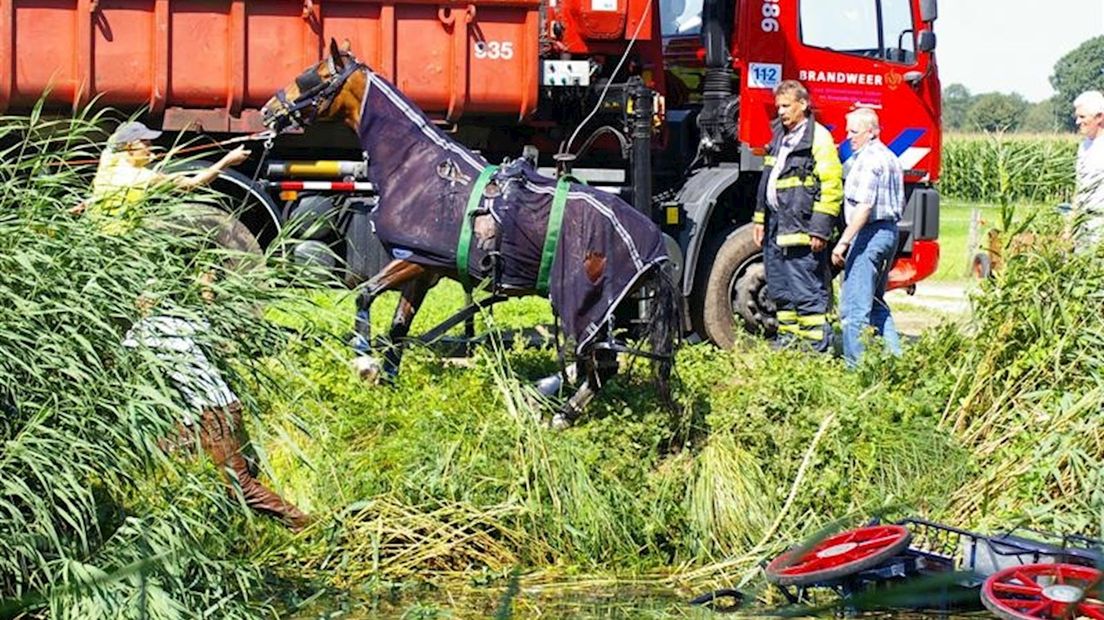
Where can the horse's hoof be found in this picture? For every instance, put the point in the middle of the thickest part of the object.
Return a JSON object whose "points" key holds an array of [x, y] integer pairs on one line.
{"points": [[560, 422], [550, 386], [368, 368]]}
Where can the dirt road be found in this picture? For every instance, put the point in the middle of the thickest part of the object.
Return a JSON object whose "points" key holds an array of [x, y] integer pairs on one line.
{"points": [[933, 303]]}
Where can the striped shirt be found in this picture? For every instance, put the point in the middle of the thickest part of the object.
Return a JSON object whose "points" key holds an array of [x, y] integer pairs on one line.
{"points": [[172, 341], [875, 179]]}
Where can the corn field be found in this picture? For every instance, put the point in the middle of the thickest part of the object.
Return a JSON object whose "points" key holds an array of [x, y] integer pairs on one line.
{"points": [[1002, 168]]}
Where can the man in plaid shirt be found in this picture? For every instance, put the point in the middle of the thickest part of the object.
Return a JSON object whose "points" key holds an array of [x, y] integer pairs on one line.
{"points": [[874, 198]]}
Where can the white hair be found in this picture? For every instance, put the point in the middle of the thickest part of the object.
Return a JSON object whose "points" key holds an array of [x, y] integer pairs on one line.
{"points": [[866, 118], [1090, 102]]}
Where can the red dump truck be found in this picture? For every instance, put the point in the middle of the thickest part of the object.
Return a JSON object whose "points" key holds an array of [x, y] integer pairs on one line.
{"points": [[666, 101]]}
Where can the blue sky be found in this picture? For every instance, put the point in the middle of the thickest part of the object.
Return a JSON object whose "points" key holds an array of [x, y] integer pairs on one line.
{"points": [[1011, 45]]}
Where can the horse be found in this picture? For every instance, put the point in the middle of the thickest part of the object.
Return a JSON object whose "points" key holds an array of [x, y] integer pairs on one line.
{"points": [[443, 211]]}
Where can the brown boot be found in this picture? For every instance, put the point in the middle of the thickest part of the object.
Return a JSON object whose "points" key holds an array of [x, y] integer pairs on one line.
{"points": [[223, 435]]}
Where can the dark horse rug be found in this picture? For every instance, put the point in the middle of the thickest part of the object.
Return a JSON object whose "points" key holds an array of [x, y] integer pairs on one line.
{"points": [[435, 193]]}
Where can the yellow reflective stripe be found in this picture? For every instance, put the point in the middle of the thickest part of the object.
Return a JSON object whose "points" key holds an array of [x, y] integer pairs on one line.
{"points": [[787, 328], [810, 334], [792, 182], [812, 319], [793, 239], [827, 167], [769, 160], [759, 217], [787, 316], [828, 208]]}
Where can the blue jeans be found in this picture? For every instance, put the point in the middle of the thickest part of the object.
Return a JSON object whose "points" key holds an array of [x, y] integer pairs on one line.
{"points": [[864, 283]]}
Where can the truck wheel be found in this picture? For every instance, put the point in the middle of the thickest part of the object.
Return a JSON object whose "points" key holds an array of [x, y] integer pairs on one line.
{"points": [[734, 291], [225, 230]]}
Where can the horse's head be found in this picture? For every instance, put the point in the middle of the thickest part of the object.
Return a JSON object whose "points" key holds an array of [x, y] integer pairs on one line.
{"points": [[319, 92]]}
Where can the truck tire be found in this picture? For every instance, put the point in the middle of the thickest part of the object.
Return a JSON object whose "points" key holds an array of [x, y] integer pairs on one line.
{"points": [[225, 230], [734, 292]]}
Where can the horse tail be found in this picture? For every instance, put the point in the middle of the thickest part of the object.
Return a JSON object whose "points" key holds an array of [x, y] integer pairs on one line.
{"points": [[664, 329]]}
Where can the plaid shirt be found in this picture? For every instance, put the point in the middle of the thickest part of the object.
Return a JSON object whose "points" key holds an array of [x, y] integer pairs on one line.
{"points": [[875, 178]]}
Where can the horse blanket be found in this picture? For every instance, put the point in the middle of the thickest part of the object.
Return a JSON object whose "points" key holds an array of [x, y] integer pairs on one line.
{"points": [[425, 179]]}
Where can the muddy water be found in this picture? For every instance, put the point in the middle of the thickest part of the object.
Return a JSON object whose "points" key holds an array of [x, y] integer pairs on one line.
{"points": [[615, 604]]}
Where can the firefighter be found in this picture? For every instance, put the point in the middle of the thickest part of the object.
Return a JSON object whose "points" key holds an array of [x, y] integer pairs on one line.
{"points": [[799, 200]]}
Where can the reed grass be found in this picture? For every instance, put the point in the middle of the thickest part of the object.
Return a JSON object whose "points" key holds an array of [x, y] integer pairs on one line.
{"points": [[96, 521]]}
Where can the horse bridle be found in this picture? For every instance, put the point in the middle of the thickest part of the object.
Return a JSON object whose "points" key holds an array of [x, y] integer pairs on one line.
{"points": [[315, 94]]}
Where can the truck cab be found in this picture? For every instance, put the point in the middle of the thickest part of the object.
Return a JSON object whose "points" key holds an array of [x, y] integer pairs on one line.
{"points": [[849, 54]]}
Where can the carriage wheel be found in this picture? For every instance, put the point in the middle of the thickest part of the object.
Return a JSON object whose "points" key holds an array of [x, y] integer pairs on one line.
{"points": [[840, 555], [1035, 591]]}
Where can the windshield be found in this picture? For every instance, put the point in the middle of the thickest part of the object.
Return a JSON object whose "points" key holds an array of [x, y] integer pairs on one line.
{"points": [[681, 17], [874, 28]]}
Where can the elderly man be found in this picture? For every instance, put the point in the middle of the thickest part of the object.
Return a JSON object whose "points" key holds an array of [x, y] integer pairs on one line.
{"points": [[123, 179], [874, 198], [798, 203], [1089, 198]]}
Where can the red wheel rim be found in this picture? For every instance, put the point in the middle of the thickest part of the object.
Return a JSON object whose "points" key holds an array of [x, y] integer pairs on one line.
{"points": [[1045, 591], [835, 554]]}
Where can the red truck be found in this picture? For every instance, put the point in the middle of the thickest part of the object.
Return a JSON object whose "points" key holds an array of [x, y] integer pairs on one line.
{"points": [[666, 101]]}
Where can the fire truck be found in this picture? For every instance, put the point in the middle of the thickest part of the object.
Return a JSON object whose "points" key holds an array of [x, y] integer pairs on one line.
{"points": [[666, 102]]}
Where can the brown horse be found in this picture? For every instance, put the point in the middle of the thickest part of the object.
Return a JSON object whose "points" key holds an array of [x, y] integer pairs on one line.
{"points": [[444, 212]]}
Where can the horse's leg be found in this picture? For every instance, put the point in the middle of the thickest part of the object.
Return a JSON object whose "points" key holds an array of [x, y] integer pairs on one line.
{"points": [[413, 294], [393, 276], [597, 369]]}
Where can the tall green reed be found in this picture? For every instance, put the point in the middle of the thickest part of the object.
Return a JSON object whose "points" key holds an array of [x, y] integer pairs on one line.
{"points": [[86, 494]]}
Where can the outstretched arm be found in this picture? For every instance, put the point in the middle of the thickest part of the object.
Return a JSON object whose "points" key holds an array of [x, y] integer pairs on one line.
{"points": [[192, 180]]}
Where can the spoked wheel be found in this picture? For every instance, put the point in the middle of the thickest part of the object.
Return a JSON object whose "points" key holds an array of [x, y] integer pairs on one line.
{"points": [[1035, 591], [840, 555]]}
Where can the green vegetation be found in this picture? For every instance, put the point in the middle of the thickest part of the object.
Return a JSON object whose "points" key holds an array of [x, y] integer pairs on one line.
{"points": [[96, 520], [1007, 168], [446, 486]]}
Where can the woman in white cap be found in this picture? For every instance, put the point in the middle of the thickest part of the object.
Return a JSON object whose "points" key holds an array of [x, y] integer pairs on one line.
{"points": [[123, 180]]}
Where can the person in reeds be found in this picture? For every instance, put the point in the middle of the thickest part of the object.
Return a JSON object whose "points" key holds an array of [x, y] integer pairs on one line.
{"points": [[1088, 200], [124, 178], [221, 429], [874, 199], [122, 182]]}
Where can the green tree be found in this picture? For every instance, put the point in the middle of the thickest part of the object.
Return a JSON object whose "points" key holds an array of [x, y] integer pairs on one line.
{"points": [[1047, 116], [1078, 71], [997, 112], [956, 102]]}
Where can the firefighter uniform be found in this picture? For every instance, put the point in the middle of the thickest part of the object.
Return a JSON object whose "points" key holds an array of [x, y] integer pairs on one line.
{"points": [[809, 192]]}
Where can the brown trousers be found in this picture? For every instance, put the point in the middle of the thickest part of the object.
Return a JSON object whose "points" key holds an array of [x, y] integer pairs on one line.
{"points": [[222, 435]]}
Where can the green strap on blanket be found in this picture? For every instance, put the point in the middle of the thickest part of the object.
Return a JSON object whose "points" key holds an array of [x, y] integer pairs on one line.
{"points": [[552, 236], [463, 246]]}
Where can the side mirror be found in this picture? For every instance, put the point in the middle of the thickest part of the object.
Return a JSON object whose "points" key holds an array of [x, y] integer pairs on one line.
{"points": [[926, 41], [929, 10]]}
